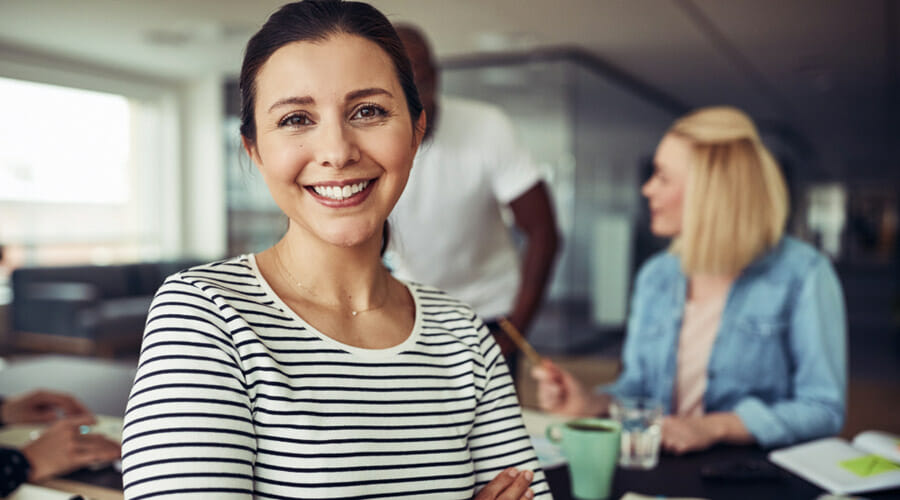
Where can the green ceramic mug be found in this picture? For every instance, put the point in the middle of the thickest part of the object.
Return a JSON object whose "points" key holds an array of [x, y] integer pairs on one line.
{"points": [[591, 446]]}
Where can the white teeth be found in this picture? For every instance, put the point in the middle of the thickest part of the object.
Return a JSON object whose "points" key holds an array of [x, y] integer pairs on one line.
{"points": [[340, 193]]}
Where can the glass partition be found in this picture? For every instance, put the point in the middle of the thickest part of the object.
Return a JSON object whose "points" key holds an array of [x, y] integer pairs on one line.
{"points": [[593, 136]]}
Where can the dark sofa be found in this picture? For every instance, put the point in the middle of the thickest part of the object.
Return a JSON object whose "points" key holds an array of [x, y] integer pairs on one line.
{"points": [[85, 309]]}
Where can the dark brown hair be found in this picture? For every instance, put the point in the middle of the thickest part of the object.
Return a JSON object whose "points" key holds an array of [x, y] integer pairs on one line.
{"points": [[316, 21]]}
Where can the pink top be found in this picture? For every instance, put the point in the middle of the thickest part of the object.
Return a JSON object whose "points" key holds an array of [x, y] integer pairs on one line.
{"points": [[698, 332]]}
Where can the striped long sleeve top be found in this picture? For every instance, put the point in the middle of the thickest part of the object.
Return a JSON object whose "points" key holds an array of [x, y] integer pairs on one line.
{"points": [[237, 397]]}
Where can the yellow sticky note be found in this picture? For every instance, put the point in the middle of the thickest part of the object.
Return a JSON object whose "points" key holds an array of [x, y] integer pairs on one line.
{"points": [[869, 465]]}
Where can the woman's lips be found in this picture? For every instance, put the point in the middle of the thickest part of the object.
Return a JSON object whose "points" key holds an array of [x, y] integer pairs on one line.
{"points": [[342, 194]]}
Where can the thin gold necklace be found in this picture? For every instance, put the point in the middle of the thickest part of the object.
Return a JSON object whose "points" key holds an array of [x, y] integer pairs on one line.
{"points": [[312, 292]]}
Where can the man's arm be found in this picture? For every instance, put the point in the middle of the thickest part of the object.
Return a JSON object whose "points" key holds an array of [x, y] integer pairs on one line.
{"points": [[534, 215]]}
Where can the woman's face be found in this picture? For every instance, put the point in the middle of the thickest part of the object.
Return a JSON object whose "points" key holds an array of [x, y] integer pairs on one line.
{"points": [[665, 189], [334, 140]]}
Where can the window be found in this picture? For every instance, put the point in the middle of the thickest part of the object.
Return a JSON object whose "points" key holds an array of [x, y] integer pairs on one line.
{"points": [[63, 145], [81, 175]]}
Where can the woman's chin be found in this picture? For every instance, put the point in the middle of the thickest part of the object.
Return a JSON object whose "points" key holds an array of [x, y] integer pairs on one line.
{"points": [[661, 230], [350, 237]]}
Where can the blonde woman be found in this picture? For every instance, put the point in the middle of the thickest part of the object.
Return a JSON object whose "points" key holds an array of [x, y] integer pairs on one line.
{"points": [[738, 329]]}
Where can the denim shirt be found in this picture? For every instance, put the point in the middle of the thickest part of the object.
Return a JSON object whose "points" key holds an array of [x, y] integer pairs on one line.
{"points": [[779, 360]]}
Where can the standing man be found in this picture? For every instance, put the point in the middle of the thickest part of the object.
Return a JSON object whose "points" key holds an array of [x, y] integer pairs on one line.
{"points": [[448, 227]]}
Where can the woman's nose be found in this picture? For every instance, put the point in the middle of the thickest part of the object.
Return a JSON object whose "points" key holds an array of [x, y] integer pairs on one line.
{"points": [[646, 189], [336, 146]]}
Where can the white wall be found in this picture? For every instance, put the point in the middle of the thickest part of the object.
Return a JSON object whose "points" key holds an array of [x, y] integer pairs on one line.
{"points": [[203, 197]]}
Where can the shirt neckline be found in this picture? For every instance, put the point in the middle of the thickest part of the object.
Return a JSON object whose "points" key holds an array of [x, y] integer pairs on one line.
{"points": [[711, 302], [362, 352]]}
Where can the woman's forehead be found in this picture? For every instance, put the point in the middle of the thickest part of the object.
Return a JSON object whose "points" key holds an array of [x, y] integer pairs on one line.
{"points": [[673, 153], [335, 66]]}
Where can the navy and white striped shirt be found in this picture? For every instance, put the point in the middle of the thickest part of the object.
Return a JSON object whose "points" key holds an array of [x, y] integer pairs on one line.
{"points": [[237, 397]]}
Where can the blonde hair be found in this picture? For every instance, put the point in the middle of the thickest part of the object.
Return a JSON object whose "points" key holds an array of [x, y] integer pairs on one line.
{"points": [[736, 202]]}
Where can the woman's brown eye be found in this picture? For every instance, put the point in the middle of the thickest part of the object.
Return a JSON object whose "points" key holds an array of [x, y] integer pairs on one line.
{"points": [[295, 121], [370, 111]]}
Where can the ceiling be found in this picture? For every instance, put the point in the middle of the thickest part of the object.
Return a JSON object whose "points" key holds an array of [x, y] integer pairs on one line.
{"points": [[824, 72]]}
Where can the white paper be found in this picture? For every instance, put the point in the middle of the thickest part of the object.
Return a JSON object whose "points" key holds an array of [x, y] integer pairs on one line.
{"points": [[32, 492]]}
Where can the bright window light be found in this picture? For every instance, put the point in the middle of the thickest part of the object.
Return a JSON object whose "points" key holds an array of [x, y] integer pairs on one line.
{"points": [[63, 145]]}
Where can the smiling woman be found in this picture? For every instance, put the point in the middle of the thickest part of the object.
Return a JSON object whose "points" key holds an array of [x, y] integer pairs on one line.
{"points": [[307, 370], [330, 116]]}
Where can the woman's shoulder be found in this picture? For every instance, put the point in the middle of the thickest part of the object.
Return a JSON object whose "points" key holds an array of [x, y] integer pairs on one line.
{"points": [[797, 248], [660, 267], [225, 272], [434, 300], [219, 282], [444, 314], [792, 257]]}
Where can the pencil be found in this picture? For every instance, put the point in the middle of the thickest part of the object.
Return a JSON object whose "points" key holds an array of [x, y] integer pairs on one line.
{"points": [[520, 341]]}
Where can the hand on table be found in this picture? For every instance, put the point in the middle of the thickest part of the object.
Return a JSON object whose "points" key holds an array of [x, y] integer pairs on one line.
{"points": [[62, 448], [685, 434], [559, 392], [511, 484], [40, 407]]}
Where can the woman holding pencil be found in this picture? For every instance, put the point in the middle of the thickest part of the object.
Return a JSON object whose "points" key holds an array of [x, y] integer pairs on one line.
{"points": [[737, 329]]}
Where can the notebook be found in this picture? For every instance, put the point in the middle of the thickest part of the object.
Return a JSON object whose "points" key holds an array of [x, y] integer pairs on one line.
{"points": [[870, 462]]}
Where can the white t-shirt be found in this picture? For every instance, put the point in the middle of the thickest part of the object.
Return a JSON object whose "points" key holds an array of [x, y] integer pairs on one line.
{"points": [[447, 228], [237, 397]]}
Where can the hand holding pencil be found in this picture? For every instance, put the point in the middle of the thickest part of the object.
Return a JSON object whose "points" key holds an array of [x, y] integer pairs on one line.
{"points": [[559, 392]]}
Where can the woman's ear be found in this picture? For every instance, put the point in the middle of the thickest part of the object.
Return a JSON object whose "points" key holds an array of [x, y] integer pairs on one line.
{"points": [[250, 148], [419, 128]]}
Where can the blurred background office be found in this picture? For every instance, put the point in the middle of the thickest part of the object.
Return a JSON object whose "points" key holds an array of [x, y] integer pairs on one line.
{"points": [[120, 154]]}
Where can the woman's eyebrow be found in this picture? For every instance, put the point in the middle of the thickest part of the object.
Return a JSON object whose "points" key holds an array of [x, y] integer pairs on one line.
{"points": [[358, 94], [292, 101], [351, 96]]}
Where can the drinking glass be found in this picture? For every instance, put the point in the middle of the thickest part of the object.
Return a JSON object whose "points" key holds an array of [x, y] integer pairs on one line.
{"points": [[641, 420]]}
